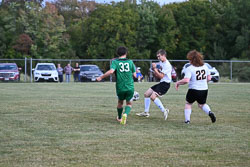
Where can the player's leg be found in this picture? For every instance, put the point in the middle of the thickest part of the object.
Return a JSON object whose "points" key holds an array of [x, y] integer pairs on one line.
{"points": [[208, 111], [190, 99], [119, 110], [128, 107], [121, 98], [126, 113], [147, 102], [159, 90], [155, 98], [201, 99], [128, 96], [187, 112]]}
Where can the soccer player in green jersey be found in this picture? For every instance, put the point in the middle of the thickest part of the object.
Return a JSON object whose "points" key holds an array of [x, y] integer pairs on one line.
{"points": [[124, 70]]}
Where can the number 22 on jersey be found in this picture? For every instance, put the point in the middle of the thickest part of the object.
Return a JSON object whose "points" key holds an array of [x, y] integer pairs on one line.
{"points": [[200, 75], [124, 67]]}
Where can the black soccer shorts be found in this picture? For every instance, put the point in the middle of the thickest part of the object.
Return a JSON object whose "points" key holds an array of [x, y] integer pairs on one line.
{"points": [[196, 95], [161, 88]]}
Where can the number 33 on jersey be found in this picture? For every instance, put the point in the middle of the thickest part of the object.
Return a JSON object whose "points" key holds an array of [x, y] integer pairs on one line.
{"points": [[124, 69]]}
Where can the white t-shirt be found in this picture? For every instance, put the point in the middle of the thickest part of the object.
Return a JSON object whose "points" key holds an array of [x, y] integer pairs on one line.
{"points": [[166, 69], [197, 76]]}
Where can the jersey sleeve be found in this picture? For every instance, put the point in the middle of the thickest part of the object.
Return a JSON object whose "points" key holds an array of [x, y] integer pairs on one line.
{"points": [[187, 73], [113, 65]]}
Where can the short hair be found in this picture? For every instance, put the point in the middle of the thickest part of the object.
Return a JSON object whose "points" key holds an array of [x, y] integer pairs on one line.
{"points": [[122, 51], [161, 52], [195, 58]]}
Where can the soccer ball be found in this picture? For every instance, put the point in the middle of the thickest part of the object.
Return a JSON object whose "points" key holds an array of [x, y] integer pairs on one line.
{"points": [[136, 96]]}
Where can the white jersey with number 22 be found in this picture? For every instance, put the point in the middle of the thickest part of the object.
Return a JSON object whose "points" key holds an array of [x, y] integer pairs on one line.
{"points": [[197, 76]]}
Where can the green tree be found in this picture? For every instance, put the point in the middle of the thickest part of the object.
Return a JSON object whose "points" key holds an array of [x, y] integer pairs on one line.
{"points": [[103, 33], [74, 11], [167, 31], [193, 21], [147, 28], [232, 29], [9, 29], [46, 29]]}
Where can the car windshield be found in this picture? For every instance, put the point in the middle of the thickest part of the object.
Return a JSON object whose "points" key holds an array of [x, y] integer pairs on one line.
{"points": [[89, 68], [46, 67], [8, 67], [208, 65]]}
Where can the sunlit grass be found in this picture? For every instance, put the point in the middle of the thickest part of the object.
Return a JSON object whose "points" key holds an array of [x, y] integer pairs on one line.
{"points": [[52, 124]]}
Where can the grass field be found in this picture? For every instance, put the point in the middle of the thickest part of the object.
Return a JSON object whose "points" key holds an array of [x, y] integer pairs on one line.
{"points": [[52, 124]]}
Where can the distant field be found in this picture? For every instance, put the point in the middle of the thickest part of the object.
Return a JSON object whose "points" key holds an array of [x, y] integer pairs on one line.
{"points": [[52, 124]]}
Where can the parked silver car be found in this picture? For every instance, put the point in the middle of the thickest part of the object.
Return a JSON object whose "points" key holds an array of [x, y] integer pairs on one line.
{"points": [[89, 73]]}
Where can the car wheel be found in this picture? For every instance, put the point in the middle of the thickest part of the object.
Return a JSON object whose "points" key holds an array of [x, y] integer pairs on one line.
{"points": [[215, 79]]}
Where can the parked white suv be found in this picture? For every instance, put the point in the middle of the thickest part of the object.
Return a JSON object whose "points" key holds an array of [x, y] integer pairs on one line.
{"points": [[45, 72]]}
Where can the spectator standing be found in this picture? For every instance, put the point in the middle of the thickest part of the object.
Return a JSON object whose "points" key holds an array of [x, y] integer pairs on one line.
{"points": [[60, 72], [77, 73], [68, 70], [139, 76]]}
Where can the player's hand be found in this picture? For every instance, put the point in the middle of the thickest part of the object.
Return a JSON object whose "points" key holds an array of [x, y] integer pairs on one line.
{"points": [[98, 79], [153, 65], [176, 86]]}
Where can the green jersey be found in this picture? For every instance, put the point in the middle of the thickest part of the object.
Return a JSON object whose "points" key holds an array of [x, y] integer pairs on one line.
{"points": [[124, 69]]}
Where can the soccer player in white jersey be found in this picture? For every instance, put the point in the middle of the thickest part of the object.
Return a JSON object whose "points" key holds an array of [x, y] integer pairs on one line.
{"points": [[164, 74], [196, 75]]}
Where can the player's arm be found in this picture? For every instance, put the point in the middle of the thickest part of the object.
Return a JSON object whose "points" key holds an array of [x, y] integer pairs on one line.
{"points": [[157, 74], [209, 78], [181, 82], [108, 73], [134, 74]]}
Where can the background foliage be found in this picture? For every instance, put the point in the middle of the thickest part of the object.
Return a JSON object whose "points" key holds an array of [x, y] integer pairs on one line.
{"points": [[84, 29]]}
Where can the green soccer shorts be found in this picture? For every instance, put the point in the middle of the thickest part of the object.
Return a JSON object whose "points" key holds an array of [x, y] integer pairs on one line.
{"points": [[126, 95]]}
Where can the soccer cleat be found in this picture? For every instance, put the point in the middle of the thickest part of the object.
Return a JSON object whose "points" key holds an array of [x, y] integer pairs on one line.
{"points": [[187, 122], [143, 114], [119, 120], [124, 119], [166, 114], [212, 116]]}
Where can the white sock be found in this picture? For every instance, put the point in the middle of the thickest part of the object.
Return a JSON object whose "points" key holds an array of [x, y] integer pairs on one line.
{"points": [[157, 101], [187, 113], [206, 108], [147, 102]]}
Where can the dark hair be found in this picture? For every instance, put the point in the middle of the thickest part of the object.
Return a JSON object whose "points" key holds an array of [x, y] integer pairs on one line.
{"points": [[161, 52], [195, 58], [122, 51]]}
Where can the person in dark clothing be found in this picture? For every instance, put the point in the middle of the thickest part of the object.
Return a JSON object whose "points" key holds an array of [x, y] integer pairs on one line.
{"points": [[77, 73]]}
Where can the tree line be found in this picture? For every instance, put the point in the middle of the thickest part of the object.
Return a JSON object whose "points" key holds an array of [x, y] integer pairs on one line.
{"points": [[72, 29]]}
